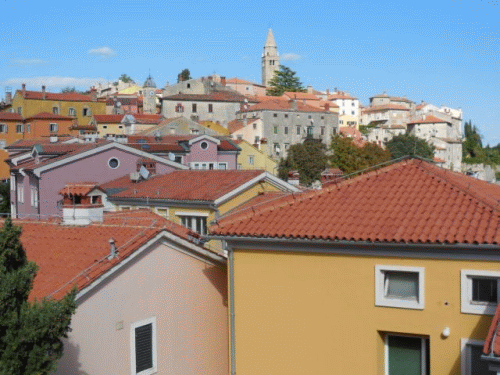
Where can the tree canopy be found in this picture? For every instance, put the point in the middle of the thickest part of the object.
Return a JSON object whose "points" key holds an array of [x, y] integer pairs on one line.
{"points": [[409, 145], [184, 75], [68, 89], [350, 158], [308, 158], [284, 80], [126, 78], [30, 332]]}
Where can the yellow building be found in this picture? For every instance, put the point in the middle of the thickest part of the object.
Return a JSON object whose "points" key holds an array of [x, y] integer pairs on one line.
{"points": [[191, 198], [394, 272], [252, 158], [78, 106], [108, 124]]}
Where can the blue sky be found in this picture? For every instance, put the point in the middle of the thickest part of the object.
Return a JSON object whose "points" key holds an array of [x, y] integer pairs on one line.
{"points": [[441, 51]]}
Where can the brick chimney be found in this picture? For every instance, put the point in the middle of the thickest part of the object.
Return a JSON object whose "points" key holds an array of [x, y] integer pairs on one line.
{"points": [[223, 81], [44, 94], [293, 104], [328, 92], [23, 88], [93, 94], [327, 107]]}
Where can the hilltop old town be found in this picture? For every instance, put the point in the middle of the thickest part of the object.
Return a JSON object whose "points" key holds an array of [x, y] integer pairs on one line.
{"points": [[221, 226]]}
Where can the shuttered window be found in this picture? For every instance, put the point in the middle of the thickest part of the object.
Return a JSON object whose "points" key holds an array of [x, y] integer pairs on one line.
{"points": [[144, 347]]}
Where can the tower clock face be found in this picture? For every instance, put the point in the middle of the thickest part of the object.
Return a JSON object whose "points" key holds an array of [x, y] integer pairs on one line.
{"points": [[151, 93]]}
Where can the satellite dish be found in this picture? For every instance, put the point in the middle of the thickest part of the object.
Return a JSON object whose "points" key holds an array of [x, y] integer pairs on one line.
{"points": [[171, 156], [144, 172], [118, 104]]}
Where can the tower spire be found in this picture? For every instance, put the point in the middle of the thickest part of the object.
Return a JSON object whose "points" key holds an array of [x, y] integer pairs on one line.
{"points": [[270, 58], [270, 39]]}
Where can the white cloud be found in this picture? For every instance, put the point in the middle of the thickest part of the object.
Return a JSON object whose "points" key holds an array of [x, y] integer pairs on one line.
{"points": [[291, 57], [53, 82], [244, 58], [104, 52], [29, 62]]}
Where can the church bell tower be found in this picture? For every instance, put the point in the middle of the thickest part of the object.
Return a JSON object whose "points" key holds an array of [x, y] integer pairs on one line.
{"points": [[270, 59]]}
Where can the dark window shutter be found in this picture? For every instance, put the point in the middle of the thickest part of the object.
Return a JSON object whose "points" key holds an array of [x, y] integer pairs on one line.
{"points": [[144, 347]]}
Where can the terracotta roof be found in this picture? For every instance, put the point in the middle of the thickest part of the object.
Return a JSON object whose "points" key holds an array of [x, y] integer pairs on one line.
{"points": [[30, 142], [236, 125], [439, 160], [385, 107], [429, 119], [340, 96], [192, 185], [48, 116], [215, 96], [77, 188], [108, 119], [410, 202], [77, 255], [281, 105], [141, 118], [124, 101], [257, 201], [242, 82], [399, 99], [172, 143], [492, 342], [10, 116], [420, 106], [300, 96], [64, 97]]}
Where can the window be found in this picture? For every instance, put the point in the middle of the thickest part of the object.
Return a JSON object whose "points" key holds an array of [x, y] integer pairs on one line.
{"points": [[310, 131], [20, 193], [71, 112], [322, 130], [204, 145], [53, 128], [34, 197], [105, 126], [286, 115], [28, 128], [276, 148], [210, 108], [471, 362], [3, 143], [55, 110], [256, 139], [193, 108], [113, 163], [179, 108], [352, 112], [19, 110], [86, 112], [19, 128], [251, 159], [188, 85], [223, 166], [254, 126], [479, 291], [287, 146], [143, 347], [125, 208], [12, 182], [406, 355], [197, 222], [286, 130], [3, 128], [298, 130], [275, 130], [178, 159], [275, 115], [162, 211], [401, 287]]}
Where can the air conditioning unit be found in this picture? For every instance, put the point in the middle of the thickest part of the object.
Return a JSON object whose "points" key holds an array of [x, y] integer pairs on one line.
{"points": [[135, 176]]}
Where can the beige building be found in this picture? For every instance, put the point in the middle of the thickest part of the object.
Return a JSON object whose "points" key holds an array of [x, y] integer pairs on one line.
{"points": [[270, 59]]}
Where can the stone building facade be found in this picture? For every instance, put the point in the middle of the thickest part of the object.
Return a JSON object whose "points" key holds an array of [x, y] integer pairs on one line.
{"points": [[270, 59]]}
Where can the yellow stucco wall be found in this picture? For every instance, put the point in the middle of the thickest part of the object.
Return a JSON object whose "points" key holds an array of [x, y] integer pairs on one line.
{"points": [[31, 107], [104, 129], [316, 314], [261, 160]]}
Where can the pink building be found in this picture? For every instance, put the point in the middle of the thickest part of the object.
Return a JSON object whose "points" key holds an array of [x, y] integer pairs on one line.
{"points": [[150, 299]]}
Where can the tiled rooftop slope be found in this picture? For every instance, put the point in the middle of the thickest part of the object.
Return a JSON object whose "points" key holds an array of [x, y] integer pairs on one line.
{"points": [[411, 201]]}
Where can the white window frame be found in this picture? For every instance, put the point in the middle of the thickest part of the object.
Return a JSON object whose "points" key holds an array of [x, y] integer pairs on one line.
{"points": [[162, 208], [19, 126], [125, 208], [469, 307], [465, 362], [34, 197], [12, 182], [251, 160], [380, 288], [3, 128], [222, 164], [53, 127], [20, 193], [423, 346], [133, 326], [182, 214]]}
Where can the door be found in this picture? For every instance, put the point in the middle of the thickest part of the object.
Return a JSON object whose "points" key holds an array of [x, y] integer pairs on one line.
{"points": [[406, 355]]}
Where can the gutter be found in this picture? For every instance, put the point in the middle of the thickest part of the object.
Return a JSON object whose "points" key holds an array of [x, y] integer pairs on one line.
{"points": [[232, 333], [150, 200]]}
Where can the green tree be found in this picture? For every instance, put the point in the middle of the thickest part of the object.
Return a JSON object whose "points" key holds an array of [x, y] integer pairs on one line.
{"points": [[409, 145], [126, 78], [68, 89], [30, 332], [284, 80], [350, 158], [4, 198], [184, 75], [308, 158]]}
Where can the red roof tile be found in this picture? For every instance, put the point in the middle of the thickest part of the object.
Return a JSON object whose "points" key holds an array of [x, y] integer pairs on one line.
{"points": [[66, 97], [340, 96], [77, 255], [108, 119], [189, 185], [236, 125], [29, 143], [410, 201], [300, 96], [385, 107], [78, 188], [10, 116], [429, 119], [48, 116], [242, 82]]}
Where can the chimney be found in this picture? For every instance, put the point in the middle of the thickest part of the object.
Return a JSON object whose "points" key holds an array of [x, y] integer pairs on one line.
{"points": [[327, 107], [293, 104], [310, 89], [327, 91], [23, 88], [44, 94], [93, 94], [8, 97], [223, 81], [304, 102], [112, 249]]}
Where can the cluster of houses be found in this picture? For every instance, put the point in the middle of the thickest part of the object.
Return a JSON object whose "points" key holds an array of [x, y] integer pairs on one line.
{"points": [[190, 256]]}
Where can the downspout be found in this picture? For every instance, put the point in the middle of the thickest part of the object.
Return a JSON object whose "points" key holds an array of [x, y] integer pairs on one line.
{"points": [[231, 312]]}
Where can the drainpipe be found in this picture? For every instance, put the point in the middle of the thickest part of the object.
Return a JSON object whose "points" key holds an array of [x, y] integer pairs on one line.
{"points": [[231, 312]]}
